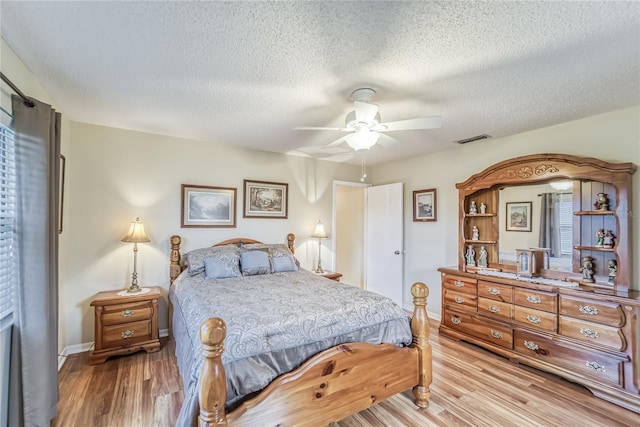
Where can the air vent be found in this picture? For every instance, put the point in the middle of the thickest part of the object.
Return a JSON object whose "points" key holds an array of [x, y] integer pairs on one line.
{"points": [[473, 138]]}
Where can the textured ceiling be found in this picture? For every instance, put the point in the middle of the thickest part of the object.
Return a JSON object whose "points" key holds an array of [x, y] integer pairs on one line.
{"points": [[247, 73]]}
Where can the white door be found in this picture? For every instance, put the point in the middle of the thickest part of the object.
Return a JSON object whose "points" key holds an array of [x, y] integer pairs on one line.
{"points": [[385, 241]]}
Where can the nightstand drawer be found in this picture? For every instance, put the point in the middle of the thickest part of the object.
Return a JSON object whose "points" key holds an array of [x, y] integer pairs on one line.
{"points": [[128, 312], [126, 333]]}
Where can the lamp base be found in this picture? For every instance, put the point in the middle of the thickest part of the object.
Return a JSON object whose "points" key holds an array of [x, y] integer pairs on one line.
{"points": [[319, 270], [134, 289]]}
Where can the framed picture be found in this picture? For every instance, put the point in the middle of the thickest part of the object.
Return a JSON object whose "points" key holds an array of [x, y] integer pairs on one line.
{"points": [[265, 199], [204, 206], [424, 205], [518, 216]]}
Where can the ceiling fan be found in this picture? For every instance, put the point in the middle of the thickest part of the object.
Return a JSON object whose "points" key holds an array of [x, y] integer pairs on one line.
{"points": [[364, 127]]}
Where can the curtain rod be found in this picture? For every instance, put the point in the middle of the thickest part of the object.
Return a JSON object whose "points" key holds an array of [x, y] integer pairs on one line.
{"points": [[26, 99]]}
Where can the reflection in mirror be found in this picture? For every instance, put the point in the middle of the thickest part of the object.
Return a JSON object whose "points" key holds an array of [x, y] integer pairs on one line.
{"points": [[551, 223]]}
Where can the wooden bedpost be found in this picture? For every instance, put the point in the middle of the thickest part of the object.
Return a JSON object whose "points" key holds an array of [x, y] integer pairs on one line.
{"points": [[213, 381], [290, 239], [420, 332], [174, 259]]}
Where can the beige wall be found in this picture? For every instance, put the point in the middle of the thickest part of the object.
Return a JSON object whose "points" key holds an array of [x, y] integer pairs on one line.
{"points": [[117, 175], [612, 137]]}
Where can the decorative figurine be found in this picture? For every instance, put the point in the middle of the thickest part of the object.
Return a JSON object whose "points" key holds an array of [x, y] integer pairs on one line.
{"points": [[483, 208], [600, 238], [470, 256], [587, 269], [482, 258], [608, 239], [613, 268], [601, 203], [475, 233], [473, 209]]}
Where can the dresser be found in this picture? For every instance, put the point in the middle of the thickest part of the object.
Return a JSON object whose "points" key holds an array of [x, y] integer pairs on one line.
{"points": [[125, 324], [580, 321]]}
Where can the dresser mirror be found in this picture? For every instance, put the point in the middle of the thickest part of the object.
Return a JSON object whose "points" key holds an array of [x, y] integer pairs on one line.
{"points": [[554, 230], [501, 212]]}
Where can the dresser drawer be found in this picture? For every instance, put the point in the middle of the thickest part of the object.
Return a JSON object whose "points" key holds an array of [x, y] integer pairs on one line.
{"points": [[593, 311], [535, 318], [127, 312], [589, 363], [126, 333], [495, 291], [495, 308], [595, 333], [493, 332], [539, 300], [460, 284], [460, 300]]}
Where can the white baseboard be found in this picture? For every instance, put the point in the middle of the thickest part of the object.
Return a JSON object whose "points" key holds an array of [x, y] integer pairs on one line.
{"points": [[81, 348]]}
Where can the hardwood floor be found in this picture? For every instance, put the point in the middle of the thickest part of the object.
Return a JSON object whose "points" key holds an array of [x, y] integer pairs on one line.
{"points": [[471, 387]]}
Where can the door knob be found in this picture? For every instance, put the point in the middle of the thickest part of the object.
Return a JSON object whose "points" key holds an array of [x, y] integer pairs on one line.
{"points": [[397, 252]]}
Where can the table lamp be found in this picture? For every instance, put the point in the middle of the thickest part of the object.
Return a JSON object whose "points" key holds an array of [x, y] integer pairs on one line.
{"points": [[320, 234], [135, 235]]}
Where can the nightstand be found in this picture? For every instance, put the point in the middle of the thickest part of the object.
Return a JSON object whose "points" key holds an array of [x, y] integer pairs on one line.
{"points": [[125, 324], [332, 275]]}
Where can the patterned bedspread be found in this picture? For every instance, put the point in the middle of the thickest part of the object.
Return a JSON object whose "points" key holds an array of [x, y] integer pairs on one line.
{"points": [[275, 322]]}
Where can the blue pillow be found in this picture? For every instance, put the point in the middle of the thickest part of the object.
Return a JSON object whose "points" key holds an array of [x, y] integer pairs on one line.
{"points": [[282, 264], [215, 268], [254, 262]]}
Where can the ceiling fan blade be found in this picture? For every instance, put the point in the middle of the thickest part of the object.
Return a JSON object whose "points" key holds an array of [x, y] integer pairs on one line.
{"points": [[322, 128], [336, 142], [387, 141], [421, 123], [365, 112]]}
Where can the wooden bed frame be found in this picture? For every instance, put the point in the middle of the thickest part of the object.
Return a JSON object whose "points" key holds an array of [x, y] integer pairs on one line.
{"points": [[330, 386]]}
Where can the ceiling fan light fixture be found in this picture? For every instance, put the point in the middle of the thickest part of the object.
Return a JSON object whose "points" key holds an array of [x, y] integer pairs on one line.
{"points": [[363, 139]]}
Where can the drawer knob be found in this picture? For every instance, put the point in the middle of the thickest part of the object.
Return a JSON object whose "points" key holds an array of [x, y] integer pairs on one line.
{"points": [[595, 366], [589, 333], [533, 319], [588, 310], [534, 299], [455, 320], [459, 283], [459, 300], [531, 345], [127, 334], [496, 334], [494, 291], [494, 309], [127, 313]]}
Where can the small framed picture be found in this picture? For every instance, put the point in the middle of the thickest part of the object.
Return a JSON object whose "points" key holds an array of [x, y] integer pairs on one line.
{"points": [[204, 206], [518, 216], [424, 205], [265, 199]]}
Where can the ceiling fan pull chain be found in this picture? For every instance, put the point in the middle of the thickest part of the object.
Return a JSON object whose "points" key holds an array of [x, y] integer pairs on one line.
{"points": [[364, 167]]}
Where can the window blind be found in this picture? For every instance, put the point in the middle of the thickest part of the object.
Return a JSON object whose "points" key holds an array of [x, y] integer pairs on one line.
{"points": [[7, 216], [565, 223]]}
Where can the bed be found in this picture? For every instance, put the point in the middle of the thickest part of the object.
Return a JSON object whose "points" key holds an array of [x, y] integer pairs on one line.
{"points": [[288, 347]]}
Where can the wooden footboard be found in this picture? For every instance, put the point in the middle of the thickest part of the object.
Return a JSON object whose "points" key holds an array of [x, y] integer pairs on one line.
{"points": [[332, 385]]}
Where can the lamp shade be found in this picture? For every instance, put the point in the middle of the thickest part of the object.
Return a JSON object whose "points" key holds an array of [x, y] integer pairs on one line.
{"points": [[136, 233], [319, 231]]}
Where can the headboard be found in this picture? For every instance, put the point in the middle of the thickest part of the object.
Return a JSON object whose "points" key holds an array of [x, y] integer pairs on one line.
{"points": [[175, 259]]}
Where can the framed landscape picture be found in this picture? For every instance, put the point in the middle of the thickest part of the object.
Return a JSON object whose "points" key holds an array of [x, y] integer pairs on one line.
{"points": [[204, 206], [265, 199], [424, 205], [518, 216]]}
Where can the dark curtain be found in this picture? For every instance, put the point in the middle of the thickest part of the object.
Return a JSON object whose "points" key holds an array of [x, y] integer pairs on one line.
{"points": [[33, 379], [549, 227]]}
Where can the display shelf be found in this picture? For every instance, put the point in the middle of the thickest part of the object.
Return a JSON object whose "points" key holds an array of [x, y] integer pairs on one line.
{"points": [[594, 213], [593, 248]]}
